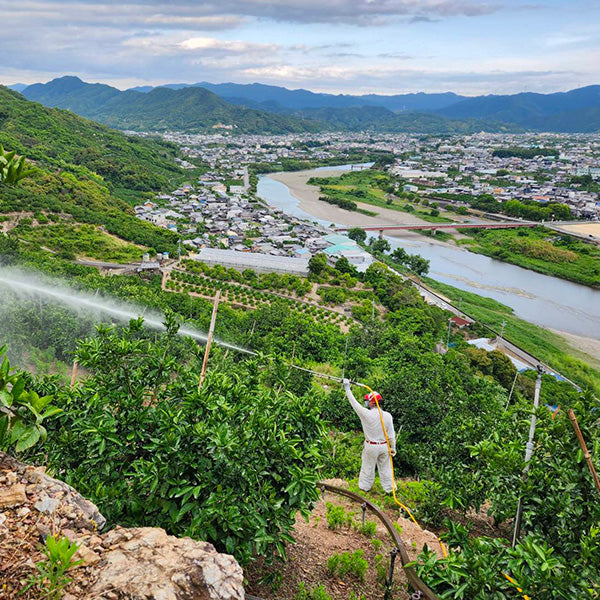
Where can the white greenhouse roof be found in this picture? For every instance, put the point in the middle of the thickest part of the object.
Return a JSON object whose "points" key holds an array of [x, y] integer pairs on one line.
{"points": [[253, 260]]}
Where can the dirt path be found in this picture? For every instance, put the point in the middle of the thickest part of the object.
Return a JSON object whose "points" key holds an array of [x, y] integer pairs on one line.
{"points": [[307, 560]]}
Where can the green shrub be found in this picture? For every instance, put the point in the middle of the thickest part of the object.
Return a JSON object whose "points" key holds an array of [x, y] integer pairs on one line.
{"points": [[348, 563], [149, 448]]}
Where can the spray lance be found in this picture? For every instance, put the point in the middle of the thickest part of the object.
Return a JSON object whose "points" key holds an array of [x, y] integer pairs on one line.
{"points": [[387, 439]]}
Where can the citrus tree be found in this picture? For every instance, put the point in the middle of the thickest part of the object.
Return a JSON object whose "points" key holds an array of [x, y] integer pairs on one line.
{"points": [[22, 411], [231, 462]]}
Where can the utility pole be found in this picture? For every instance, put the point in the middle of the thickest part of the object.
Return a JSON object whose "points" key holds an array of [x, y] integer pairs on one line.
{"points": [[528, 452], [448, 334], [179, 252], [500, 337]]}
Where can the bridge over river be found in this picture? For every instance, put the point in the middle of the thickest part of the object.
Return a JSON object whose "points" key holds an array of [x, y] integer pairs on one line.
{"points": [[460, 225]]}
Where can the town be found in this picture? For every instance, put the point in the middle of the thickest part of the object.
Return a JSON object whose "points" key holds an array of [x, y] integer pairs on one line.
{"points": [[221, 210]]}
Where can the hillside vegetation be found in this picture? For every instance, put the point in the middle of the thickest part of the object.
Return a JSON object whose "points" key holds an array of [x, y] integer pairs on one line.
{"points": [[195, 110], [135, 430], [86, 172]]}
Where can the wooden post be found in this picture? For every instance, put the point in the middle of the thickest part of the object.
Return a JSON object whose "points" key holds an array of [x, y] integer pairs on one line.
{"points": [[74, 373], [586, 453], [211, 331]]}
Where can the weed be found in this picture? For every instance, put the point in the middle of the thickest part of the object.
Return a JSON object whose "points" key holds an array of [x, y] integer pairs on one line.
{"points": [[352, 563], [381, 568], [51, 578], [316, 593], [376, 544], [336, 516], [368, 529]]}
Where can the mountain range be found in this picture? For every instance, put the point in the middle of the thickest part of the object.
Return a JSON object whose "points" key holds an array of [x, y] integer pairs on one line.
{"points": [[258, 108]]}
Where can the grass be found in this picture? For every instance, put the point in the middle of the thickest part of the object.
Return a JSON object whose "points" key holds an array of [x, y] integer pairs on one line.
{"points": [[81, 241], [543, 251], [549, 347]]}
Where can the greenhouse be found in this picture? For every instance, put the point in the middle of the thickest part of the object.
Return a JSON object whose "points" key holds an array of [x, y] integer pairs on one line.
{"points": [[263, 263]]}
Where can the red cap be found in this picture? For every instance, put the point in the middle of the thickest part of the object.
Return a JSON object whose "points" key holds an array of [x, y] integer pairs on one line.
{"points": [[372, 396]]}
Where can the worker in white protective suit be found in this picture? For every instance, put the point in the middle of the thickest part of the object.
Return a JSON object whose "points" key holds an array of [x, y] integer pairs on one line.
{"points": [[375, 451]]}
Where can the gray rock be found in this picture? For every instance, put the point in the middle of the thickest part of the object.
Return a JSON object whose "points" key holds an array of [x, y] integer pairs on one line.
{"points": [[46, 505], [147, 564]]}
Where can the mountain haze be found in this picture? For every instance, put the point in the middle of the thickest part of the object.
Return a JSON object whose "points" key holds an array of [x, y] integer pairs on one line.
{"points": [[258, 108], [196, 110]]}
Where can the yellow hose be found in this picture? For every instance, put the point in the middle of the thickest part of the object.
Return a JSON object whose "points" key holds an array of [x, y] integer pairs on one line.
{"points": [[525, 596], [387, 439]]}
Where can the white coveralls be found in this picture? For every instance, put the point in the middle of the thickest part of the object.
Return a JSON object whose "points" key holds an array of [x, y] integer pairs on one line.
{"points": [[375, 452]]}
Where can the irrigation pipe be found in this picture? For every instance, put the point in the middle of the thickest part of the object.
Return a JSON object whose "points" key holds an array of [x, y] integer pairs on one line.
{"points": [[415, 581]]}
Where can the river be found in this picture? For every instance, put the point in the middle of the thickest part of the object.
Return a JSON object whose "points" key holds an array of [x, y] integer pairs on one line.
{"points": [[541, 299]]}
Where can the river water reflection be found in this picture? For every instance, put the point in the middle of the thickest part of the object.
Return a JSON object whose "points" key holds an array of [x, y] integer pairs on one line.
{"points": [[540, 299]]}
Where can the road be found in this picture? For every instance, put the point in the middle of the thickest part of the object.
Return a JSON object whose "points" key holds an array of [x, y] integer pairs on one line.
{"points": [[246, 180]]}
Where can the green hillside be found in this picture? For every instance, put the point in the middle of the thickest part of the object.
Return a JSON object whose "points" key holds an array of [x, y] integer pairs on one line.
{"points": [[377, 118], [86, 172], [193, 110], [198, 110]]}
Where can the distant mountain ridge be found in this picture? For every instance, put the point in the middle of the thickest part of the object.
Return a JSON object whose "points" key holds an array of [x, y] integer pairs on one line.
{"points": [[258, 108], [196, 110], [560, 111], [299, 99], [189, 109]]}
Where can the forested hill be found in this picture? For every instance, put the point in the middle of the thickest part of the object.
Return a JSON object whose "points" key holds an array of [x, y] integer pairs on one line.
{"points": [[86, 172], [57, 138], [573, 111], [377, 118], [196, 110]]}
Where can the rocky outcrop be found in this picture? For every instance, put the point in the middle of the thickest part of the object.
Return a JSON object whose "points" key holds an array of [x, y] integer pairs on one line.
{"points": [[132, 564], [147, 564]]}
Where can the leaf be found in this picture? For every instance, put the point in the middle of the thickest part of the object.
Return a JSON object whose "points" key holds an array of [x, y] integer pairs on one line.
{"points": [[28, 439], [6, 398], [17, 388], [51, 411]]}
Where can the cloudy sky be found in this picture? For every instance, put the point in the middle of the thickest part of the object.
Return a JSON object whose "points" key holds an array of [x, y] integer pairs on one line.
{"points": [[349, 46]]}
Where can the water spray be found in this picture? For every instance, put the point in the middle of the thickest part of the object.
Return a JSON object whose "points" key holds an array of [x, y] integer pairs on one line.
{"points": [[26, 284]]}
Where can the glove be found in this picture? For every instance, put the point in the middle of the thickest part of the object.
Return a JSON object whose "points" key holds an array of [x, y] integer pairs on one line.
{"points": [[393, 453], [346, 383]]}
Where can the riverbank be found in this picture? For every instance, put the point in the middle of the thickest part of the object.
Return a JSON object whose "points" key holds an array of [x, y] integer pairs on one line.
{"points": [[545, 301], [308, 198], [541, 250], [575, 356]]}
